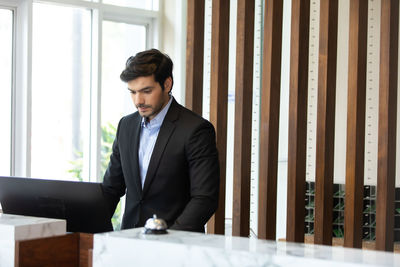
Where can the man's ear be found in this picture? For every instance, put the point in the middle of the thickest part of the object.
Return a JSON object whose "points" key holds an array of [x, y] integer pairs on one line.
{"points": [[168, 84]]}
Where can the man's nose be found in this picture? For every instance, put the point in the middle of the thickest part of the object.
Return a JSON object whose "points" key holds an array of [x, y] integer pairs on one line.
{"points": [[139, 99]]}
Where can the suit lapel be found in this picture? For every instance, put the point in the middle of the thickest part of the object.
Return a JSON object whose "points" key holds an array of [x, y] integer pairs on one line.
{"points": [[135, 136], [166, 130]]}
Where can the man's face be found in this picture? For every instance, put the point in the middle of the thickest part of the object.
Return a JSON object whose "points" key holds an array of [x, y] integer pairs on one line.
{"points": [[148, 96]]}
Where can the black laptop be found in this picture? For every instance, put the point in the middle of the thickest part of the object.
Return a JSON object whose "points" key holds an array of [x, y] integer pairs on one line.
{"points": [[81, 204]]}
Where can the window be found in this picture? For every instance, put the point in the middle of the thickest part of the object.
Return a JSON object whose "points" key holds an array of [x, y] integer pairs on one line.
{"points": [[61, 69], [6, 85], [70, 97], [144, 4], [120, 41]]}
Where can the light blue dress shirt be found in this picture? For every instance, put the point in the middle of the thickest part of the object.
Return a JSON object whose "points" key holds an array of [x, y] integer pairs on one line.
{"points": [[148, 137]]}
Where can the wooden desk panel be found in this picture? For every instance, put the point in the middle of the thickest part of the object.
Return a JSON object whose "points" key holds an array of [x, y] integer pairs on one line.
{"points": [[66, 250]]}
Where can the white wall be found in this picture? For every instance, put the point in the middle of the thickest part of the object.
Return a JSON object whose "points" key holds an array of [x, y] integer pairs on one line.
{"points": [[173, 41]]}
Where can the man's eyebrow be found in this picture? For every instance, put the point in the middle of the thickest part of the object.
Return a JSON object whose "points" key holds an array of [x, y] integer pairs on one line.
{"points": [[142, 89]]}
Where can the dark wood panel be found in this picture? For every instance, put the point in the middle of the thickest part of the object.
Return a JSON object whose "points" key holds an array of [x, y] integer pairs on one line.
{"points": [[325, 122], [51, 251], [85, 248], [195, 55], [90, 260], [297, 119], [355, 123], [269, 119], [387, 124], [219, 100], [243, 112]]}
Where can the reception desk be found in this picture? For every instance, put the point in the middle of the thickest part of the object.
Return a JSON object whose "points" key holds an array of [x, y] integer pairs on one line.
{"points": [[29, 241], [177, 248], [15, 228]]}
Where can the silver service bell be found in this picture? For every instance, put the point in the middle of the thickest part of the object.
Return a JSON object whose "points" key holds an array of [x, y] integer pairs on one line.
{"points": [[155, 226]]}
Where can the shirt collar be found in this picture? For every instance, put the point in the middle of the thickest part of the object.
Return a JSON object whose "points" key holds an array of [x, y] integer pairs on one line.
{"points": [[158, 119]]}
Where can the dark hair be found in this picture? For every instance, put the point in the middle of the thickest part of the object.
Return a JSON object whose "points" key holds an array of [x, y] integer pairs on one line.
{"points": [[147, 63]]}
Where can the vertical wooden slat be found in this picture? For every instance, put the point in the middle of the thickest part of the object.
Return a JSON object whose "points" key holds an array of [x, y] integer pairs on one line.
{"points": [[243, 111], [387, 124], [355, 124], [297, 119], [219, 100], [195, 55], [325, 122], [269, 118]]}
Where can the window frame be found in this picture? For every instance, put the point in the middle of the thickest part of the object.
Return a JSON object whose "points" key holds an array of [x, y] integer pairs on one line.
{"points": [[21, 106], [13, 9]]}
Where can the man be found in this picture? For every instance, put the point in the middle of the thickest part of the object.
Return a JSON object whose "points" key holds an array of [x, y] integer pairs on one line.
{"points": [[164, 156]]}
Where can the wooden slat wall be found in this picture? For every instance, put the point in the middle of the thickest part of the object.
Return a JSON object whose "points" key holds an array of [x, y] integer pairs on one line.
{"points": [[325, 122], [355, 123], [195, 56], [269, 119], [219, 100], [387, 124], [297, 120], [243, 112], [298, 114]]}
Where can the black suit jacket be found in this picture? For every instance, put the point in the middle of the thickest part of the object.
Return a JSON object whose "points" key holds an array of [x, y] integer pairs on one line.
{"points": [[182, 181]]}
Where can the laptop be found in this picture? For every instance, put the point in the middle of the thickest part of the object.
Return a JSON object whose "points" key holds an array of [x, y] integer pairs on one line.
{"points": [[81, 204]]}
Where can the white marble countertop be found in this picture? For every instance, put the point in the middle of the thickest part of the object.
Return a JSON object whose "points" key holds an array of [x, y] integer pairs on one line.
{"points": [[16, 227], [178, 248]]}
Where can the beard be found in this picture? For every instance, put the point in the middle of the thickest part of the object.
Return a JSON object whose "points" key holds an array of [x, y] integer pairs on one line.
{"points": [[150, 111]]}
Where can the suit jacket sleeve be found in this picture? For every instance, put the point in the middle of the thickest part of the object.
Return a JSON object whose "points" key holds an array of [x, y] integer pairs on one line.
{"points": [[202, 157], [113, 183]]}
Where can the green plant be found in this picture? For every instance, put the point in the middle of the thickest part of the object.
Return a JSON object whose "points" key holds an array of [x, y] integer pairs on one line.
{"points": [[309, 217], [77, 165], [339, 193], [398, 210], [338, 232], [108, 133], [310, 192], [339, 206], [339, 219], [310, 205], [116, 218], [373, 224]]}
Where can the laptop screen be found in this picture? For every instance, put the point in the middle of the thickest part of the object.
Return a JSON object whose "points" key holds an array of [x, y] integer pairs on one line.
{"points": [[81, 204]]}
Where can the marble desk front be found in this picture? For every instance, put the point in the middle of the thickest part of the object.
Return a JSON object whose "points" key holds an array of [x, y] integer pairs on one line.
{"points": [[178, 248]]}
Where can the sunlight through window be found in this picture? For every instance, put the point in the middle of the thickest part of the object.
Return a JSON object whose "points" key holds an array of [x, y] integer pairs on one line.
{"points": [[60, 91], [6, 51]]}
